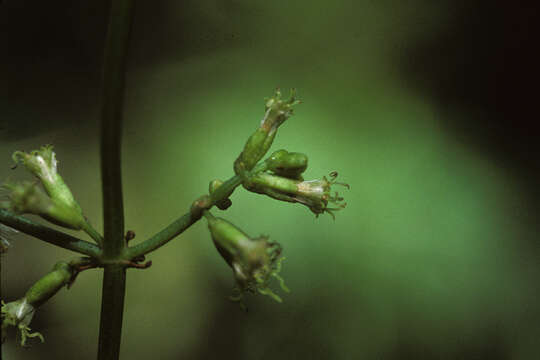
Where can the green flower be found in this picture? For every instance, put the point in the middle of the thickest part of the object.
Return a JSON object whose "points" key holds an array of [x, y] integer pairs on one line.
{"points": [[254, 260], [315, 194], [42, 163], [276, 112], [28, 198], [19, 313]]}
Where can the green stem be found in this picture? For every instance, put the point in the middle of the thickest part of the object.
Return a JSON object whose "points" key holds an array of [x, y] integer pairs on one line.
{"points": [[47, 234], [93, 233], [182, 223], [227, 187], [188, 219], [110, 329], [114, 280], [111, 124], [208, 215]]}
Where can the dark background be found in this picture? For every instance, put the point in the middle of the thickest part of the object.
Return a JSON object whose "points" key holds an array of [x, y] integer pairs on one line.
{"points": [[427, 108]]}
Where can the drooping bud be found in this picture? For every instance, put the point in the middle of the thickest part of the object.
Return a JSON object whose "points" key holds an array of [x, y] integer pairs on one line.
{"points": [[287, 164], [315, 194], [28, 198], [253, 260], [42, 163], [276, 112], [19, 313]]}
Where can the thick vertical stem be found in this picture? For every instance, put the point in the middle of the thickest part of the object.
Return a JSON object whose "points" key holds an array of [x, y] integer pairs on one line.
{"points": [[114, 280], [112, 305], [111, 122]]}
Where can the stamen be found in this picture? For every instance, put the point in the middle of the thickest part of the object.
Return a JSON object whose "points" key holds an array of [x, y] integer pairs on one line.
{"points": [[342, 184], [269, 292], [281, 282]]}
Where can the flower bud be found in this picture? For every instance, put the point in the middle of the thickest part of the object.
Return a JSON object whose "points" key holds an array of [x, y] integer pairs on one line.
{"points": [[19, 313], [276, 112], [287, 164], [253, 260], [315, 194], [42, 163], [28, 198]]}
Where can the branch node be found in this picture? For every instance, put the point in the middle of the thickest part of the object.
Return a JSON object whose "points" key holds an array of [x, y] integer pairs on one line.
{"points": [[199, 205], [80, 266]]}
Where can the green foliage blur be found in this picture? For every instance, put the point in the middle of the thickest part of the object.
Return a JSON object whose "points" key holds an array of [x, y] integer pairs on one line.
{"points": [[433, 258]]}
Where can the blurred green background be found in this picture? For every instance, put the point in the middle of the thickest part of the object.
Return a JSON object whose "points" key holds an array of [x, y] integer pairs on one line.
{"points": [[418, 105]]}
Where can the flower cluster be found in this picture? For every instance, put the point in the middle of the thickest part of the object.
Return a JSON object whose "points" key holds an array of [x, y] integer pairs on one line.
{"points": [[282, 179], [255, 260]]}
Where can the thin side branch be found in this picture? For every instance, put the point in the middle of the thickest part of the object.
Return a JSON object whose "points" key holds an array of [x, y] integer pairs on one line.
{"points": [[184, 222], [49, 235]]}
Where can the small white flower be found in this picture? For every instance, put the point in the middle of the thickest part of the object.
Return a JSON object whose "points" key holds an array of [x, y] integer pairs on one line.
{"points": [[19, 313], [42, 163]]}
